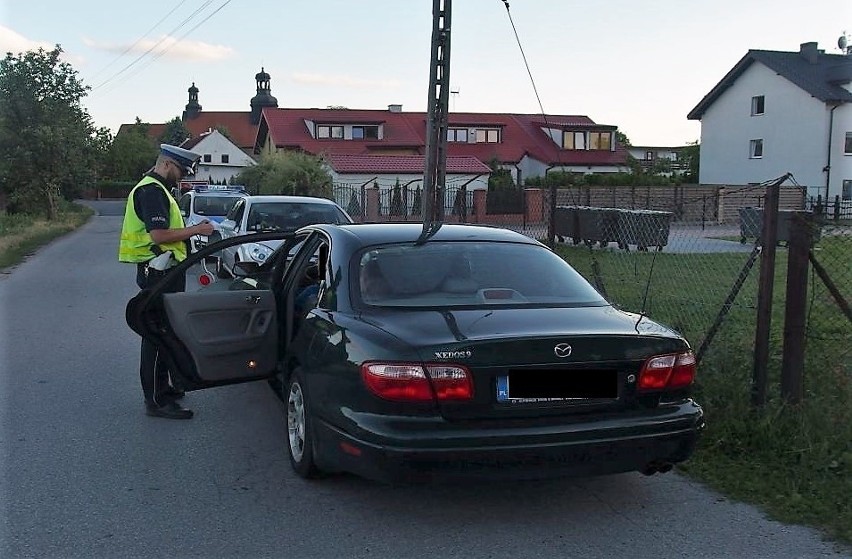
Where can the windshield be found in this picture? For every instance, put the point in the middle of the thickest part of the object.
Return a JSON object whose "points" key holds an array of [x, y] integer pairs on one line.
{"points": [[448, 274], [214, 205], [289, 216]]}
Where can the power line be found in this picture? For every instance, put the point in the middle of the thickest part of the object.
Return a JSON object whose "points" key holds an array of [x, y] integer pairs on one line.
{"points": [[128, 49], [154, 46]]}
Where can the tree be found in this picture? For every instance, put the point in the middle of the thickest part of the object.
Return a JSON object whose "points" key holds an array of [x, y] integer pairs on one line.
{"points": [[49, 143], [175, 132], [288, 172], [132, 152], [690, 156], [622, 139], [500, 178]]}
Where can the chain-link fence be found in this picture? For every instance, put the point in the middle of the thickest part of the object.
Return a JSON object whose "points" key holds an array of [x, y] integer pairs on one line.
{"points": [[692, 260], [686, 255]]}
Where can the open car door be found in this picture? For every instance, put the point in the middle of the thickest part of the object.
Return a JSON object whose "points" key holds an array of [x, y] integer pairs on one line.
{"points": [[224, 333]]}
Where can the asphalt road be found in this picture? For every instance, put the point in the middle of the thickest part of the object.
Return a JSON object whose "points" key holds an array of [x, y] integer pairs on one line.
{"points": [[85, 474]]}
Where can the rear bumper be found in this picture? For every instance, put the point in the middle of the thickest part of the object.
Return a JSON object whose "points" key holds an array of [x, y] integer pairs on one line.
{"points": [[417, 449]]}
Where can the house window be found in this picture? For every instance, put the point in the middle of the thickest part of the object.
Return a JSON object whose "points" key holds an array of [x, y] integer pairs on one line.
{"points": [[225, 158], [848, 148], [756, 149], [457, 135], [335, 132], [757, 105], [573, 140], [599, 140], [365, 132], [208, 158], [847, 190], [649, 156], [487, 136]]}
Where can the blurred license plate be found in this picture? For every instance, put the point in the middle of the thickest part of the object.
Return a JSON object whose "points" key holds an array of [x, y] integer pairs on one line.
{"points": [[548, 386]]}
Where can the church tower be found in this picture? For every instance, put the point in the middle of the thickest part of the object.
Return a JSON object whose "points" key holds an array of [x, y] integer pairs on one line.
{"points": [[263, 98], [192, 108]]}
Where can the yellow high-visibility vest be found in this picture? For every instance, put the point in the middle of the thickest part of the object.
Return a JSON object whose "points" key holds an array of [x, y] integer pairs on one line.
{"points": [[136, 242]]}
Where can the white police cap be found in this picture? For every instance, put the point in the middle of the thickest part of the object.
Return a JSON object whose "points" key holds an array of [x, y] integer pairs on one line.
{"points": [[183, 157]]}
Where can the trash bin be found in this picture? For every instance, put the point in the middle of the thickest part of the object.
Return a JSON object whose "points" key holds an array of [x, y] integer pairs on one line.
{"points": [[751, 224], [644, 229]]}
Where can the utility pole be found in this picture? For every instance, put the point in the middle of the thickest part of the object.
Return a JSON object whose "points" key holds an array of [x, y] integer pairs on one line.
{"points": [[435, 174]]}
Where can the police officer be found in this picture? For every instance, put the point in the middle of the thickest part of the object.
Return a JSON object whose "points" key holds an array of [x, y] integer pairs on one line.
{"points": [[153, 226]]}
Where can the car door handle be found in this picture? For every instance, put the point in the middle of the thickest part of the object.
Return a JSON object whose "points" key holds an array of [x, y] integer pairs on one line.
{"points": [[253, 299]]}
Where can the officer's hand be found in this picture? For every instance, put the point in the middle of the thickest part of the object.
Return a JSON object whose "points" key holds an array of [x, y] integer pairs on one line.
{"points": [[204, 228]]}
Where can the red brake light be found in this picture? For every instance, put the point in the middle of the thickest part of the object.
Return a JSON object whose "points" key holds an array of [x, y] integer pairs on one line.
{"points": [[684, 370], [397, 381], [451, 382], [667, 371], [410, 382]]}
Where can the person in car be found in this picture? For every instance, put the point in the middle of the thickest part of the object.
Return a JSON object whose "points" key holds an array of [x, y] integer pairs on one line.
{"points": [[153, 229]]}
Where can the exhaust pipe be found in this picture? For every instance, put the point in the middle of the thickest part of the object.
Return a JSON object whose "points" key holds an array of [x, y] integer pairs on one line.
{"points": [[658, 467]]}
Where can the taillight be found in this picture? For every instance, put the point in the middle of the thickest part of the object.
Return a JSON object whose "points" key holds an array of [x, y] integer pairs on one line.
{"points": [[667, 371], [411, 382], [451, 382]]}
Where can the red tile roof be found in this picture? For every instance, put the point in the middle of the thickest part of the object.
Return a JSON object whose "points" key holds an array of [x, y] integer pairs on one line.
{"points": [[238, 124], [413, 164], [521, 135], [405, 134]]}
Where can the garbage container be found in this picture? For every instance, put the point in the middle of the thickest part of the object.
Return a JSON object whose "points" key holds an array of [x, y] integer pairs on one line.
{"points": [[751, 223]]}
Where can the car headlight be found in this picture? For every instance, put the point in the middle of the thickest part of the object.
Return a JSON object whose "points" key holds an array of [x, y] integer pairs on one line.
{"points": [[259, 253]]}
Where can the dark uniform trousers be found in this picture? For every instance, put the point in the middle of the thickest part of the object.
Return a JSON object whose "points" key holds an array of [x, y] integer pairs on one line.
{"points": [[153, 370]]}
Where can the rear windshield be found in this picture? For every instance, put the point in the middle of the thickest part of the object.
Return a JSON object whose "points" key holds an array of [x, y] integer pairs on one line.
{"points": [[214, 205], [440, 274], [289, 216]]}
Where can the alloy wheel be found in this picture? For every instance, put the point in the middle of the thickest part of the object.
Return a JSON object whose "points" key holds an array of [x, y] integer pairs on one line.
{"points": [[296, 421]]}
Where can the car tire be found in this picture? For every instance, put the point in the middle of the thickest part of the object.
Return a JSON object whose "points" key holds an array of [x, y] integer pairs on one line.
{"points": [[300, 432]]}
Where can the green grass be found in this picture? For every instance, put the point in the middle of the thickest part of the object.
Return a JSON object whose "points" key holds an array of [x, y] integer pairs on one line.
{"points": [[793, 462], [21, 235]]}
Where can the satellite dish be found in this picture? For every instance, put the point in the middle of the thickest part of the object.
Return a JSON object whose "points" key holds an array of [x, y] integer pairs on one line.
{"points": [[841, 42]]}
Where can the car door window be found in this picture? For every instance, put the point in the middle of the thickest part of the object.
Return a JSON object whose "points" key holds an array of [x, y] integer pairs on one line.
{"points": [[184, 203], [236, 213]]}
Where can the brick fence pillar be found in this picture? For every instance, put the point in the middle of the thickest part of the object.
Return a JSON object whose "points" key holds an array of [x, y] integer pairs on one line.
{"points": [[534, 202], [479, 205], [372, 205]]}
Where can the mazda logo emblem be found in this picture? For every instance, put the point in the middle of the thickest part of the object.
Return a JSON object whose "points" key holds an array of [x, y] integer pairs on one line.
{"points": [[562, 350]]}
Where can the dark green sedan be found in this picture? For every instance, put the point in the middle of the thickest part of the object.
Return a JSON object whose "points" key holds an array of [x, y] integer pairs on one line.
{"points": [[476, 352]]}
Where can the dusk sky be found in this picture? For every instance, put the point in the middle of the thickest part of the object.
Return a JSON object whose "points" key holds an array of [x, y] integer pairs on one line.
{"points": [[641, 65]]}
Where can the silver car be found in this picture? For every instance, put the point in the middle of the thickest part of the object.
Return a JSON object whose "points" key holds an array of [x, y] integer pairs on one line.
{"points": [[253, 214]]}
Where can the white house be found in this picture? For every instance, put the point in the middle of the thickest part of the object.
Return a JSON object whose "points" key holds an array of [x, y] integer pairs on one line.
{"points": [[221, 160], [650, 157], [777, 112]]}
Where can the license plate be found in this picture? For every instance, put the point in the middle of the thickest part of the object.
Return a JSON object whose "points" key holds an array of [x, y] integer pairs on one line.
{"points": [[531, 386]]}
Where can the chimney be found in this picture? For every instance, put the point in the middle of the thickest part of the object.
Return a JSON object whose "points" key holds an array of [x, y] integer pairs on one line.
{"points": [[809, 52], [395, 108]]}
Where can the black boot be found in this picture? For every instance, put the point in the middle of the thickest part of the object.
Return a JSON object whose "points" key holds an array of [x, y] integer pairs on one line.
{"points": [[169, 410], [172, 393]]}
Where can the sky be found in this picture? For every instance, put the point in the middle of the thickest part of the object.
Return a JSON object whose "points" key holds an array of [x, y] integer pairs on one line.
{"points": [[640, 65]]}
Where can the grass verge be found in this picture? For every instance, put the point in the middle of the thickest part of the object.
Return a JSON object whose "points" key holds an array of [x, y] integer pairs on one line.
{"points": [[795, 463], [21, 235]]}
